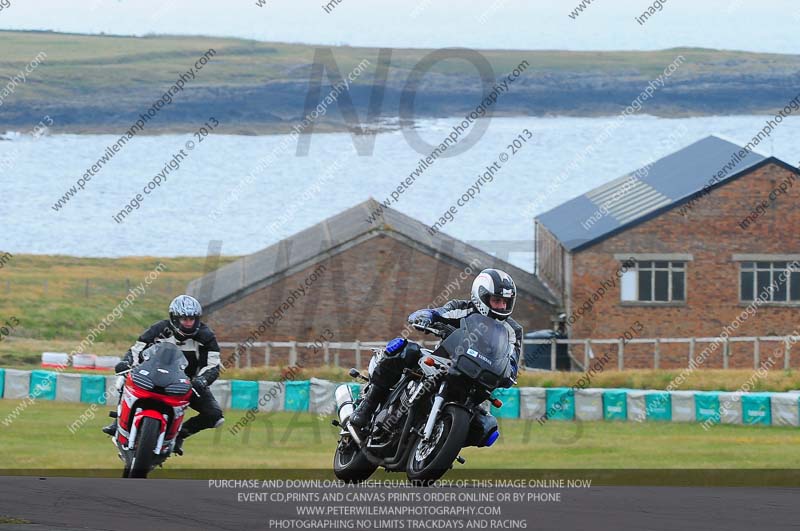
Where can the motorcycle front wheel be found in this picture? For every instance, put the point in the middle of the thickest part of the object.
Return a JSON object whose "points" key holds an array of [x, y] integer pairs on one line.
{"points": [[429, 460], [143, 458]]}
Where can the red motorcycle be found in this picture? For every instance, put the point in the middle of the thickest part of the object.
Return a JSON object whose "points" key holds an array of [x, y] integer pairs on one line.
{"points": [[150, 414]]}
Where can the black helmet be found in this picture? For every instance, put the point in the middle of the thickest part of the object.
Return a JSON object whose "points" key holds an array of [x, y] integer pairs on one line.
{"points": [[184, 306], [493, 282]]}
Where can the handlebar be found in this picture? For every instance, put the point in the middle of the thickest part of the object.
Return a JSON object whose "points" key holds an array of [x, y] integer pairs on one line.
{"points": [[426, 329], [442, 330]]}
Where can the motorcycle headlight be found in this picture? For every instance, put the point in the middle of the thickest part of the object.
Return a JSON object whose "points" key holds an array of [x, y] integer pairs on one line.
{"points": [[489, 380], [468, 366]]}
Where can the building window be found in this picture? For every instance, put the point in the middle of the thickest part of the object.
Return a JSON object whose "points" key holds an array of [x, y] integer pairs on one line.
{"points": [[655, 281], [770, 281]]}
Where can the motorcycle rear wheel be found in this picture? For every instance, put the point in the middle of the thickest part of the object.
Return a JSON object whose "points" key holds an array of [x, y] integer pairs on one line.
{"points": [[350, 464]]}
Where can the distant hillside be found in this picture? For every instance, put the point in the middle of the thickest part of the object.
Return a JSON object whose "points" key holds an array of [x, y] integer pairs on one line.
{"points": [[102, 83]]}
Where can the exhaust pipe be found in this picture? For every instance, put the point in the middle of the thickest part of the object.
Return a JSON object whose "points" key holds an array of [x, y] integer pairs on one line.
{"points": [[344, 403], [345, 408]]}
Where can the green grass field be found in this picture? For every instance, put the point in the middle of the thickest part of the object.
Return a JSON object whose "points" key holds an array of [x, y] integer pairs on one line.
{"points": [[48, 295], [96, 62], [40, 439]]}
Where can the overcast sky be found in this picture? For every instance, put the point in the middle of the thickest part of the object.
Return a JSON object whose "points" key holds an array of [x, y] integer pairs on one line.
{"points": [[767, 25]]}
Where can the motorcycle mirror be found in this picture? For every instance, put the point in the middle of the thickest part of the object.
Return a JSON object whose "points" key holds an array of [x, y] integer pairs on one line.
{"points": [[355, 373]]}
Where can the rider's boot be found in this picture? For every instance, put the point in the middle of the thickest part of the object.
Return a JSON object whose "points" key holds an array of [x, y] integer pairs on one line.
{"points": [[182, 435], [363, 413], [386, 373], [111, 429]]}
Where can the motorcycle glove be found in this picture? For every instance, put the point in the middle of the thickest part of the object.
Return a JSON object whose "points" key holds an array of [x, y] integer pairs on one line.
{"points": [[200, 384], [511, 379], [514, 367], [122, 367], [424, 317]]}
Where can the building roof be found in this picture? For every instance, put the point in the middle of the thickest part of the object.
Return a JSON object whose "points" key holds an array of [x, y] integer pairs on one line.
{"points": [[650, 191], [334, 235]]}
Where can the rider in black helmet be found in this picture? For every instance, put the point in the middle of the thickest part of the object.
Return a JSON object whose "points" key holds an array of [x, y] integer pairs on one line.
{"points": [[493, 294], [199, 344]]}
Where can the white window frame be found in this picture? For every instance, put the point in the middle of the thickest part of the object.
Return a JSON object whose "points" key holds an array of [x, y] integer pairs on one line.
{"points": [[630, 279], [774, 272]]}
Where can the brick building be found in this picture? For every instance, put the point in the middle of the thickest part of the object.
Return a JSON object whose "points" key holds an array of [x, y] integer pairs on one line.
{"points": [[705, 231], [348, 279]]}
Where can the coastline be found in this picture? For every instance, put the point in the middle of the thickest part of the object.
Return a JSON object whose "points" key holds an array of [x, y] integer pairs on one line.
{"points": [[381, 126]]}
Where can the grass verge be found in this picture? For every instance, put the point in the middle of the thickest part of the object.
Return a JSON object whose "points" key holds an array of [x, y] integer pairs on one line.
{"points": [[39, 439]]}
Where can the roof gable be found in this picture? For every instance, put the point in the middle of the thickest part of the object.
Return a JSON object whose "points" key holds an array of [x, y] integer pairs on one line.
{"points": [[649, 191], [337, 234]]}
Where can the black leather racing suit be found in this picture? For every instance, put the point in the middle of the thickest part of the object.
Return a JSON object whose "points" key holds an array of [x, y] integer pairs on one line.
{"points": [[389, 369]]}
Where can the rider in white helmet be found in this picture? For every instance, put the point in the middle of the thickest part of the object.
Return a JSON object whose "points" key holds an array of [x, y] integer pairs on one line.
{"points": [[493, 294], [199, 345]]}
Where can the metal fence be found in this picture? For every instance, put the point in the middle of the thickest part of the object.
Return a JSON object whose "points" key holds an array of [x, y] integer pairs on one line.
{"points": [[693, 351], [331, 350]]}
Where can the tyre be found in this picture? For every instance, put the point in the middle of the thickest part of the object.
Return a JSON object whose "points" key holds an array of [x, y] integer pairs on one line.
{"points": [[428, 461], [143, 457], [350, 464]]}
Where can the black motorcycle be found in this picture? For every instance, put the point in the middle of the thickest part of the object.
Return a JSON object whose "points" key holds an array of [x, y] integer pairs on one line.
{"points": [[435, 409]]}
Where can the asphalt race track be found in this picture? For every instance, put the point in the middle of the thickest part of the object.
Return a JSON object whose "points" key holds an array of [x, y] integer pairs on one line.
{"points": [[117, 504]]}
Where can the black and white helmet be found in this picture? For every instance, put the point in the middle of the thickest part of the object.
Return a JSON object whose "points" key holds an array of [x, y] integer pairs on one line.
{"points": [[493, 282], [184, 306]]}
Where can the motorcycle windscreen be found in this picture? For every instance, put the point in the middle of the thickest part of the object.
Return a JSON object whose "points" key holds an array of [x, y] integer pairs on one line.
{"points": [[163, 370], [480, 348]]}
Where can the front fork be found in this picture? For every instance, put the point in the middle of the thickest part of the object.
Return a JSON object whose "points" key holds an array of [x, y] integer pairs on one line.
{"points": [[434, 414]]}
